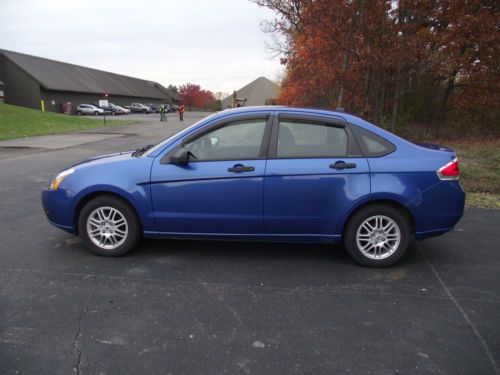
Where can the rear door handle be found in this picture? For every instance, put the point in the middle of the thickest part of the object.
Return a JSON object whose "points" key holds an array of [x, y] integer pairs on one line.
{"points": [[238, 168], [342, 165]]}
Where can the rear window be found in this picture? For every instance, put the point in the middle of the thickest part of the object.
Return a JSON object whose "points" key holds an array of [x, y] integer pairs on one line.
{"points": [[372, 144]]}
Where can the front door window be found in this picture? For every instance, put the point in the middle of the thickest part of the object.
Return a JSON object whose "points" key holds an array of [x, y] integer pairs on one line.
{"points": [[234, 141]]}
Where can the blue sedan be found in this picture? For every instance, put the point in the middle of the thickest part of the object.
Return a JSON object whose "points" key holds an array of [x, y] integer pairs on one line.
{"points": [[267, 174]]}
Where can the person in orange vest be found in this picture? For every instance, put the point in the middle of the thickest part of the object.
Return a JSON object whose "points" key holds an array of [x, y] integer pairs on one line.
{"points": [[181, 112]]}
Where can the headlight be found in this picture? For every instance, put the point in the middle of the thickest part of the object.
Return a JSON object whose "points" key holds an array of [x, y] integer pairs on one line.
{"points": [[55, 184]]}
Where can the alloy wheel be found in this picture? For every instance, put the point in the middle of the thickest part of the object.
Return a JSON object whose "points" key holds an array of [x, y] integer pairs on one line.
{"points": [[107, 228], [378, 237]]}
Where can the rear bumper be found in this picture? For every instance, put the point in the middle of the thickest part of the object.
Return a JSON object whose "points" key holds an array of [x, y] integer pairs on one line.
{"points": [[438, 209], [57, 205]]}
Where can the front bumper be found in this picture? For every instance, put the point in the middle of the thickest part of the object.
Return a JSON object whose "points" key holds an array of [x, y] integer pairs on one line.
{"points": [[58, 207]]}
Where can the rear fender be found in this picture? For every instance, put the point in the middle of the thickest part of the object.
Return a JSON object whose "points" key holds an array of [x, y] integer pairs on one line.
{"points": [[372, 199]]}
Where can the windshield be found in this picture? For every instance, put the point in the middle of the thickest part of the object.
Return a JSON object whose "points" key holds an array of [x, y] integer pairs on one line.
{"points": [[163, 143]]}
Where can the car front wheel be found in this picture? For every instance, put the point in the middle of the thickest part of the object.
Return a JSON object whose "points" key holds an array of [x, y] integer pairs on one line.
{"points": [[377, 236], [109, 226]]}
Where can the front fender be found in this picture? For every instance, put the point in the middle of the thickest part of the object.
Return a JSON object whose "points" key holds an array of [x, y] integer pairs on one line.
{"points": [[138, 198], [121, 175]]}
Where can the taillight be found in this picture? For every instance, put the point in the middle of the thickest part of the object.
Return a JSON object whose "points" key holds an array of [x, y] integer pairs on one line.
{"points": [[449, 171]]}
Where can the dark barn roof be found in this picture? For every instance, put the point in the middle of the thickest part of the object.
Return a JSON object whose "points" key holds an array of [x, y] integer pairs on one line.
{"points": [[56, 75]]}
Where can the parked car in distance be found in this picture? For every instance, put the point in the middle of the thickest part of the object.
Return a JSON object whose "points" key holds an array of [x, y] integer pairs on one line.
{"points": [[125, 111], [265, 173], [89, 109], [117, 110], [153, 106], [139, 108], [108, 110], [174, 108]]}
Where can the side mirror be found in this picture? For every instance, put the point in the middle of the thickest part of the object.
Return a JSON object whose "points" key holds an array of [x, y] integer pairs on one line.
{"points": [[181, 157], [214, 141]]}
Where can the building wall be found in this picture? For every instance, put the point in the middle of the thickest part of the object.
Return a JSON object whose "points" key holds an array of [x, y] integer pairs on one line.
{"points": [[2, 88], [20, 88], [54, 99], [1, 66]]}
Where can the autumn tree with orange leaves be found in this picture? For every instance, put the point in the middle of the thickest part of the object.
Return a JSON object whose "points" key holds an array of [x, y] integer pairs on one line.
{"points": [[391, 61], [193, 96]]}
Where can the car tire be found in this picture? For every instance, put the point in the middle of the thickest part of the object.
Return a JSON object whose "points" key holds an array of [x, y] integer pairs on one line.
{"points": [[96, 113], [144, 111], [377, 236], [79, 113], [109, 226]]}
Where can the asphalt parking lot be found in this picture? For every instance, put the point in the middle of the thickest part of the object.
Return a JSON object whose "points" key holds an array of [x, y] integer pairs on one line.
{"points": [[196, 307]]}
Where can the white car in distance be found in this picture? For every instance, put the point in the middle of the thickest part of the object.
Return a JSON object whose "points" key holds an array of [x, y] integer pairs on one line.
{"points": [[89, 109]]}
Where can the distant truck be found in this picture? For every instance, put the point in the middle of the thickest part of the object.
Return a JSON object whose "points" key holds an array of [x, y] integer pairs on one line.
{"points": [[139, 108]]}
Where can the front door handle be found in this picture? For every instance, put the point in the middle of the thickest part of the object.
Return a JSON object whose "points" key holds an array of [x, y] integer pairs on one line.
{"points": [[342, 165], [238, 168]]}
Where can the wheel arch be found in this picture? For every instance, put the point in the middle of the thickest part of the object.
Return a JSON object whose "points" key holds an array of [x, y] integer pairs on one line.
{"points": [[377, 201], [90, 196]]}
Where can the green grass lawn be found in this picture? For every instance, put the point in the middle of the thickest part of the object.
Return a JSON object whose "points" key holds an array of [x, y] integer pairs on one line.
{"points": [[480, 171], [18, 122]]}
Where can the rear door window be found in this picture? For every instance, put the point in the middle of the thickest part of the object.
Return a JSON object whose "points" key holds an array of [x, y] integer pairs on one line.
{"points": [[310, 139]]}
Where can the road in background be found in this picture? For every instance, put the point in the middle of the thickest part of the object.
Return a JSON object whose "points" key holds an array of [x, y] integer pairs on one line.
{"points": [[199, 307]]}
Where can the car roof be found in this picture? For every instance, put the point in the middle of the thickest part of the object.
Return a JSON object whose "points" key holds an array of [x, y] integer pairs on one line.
{"points": [[233, 112], [306, 110], [315, 111]]}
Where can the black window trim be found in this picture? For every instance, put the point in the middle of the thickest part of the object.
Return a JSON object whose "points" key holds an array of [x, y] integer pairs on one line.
{"points": [[353, 148], [221, 123]]}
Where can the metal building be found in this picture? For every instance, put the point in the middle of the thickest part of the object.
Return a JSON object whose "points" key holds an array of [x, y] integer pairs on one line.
{"points": [[29, 81], [261, 91]]}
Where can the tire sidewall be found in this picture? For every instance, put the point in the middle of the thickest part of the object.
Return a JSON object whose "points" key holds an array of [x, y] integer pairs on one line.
{"points": [[359, 217], [134, 232]]}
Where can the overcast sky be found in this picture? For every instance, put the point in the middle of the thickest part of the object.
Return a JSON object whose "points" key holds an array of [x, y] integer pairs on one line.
{"points": [[218, 43]]}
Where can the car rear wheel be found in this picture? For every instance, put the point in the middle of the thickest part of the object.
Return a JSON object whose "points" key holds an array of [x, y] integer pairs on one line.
{"points": [[96, 113], [79, 113], [377, 236], [109, 226]]}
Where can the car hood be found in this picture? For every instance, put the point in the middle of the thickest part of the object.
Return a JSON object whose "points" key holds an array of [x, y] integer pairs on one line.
{"points": [[106, 158]]}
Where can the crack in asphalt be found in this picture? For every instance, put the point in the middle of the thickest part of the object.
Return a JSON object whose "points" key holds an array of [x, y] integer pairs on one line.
{"points": [[77, 345]]}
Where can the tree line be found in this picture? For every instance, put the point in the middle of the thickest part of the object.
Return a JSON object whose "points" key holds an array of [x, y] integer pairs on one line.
{"points": [[392, 61]]}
